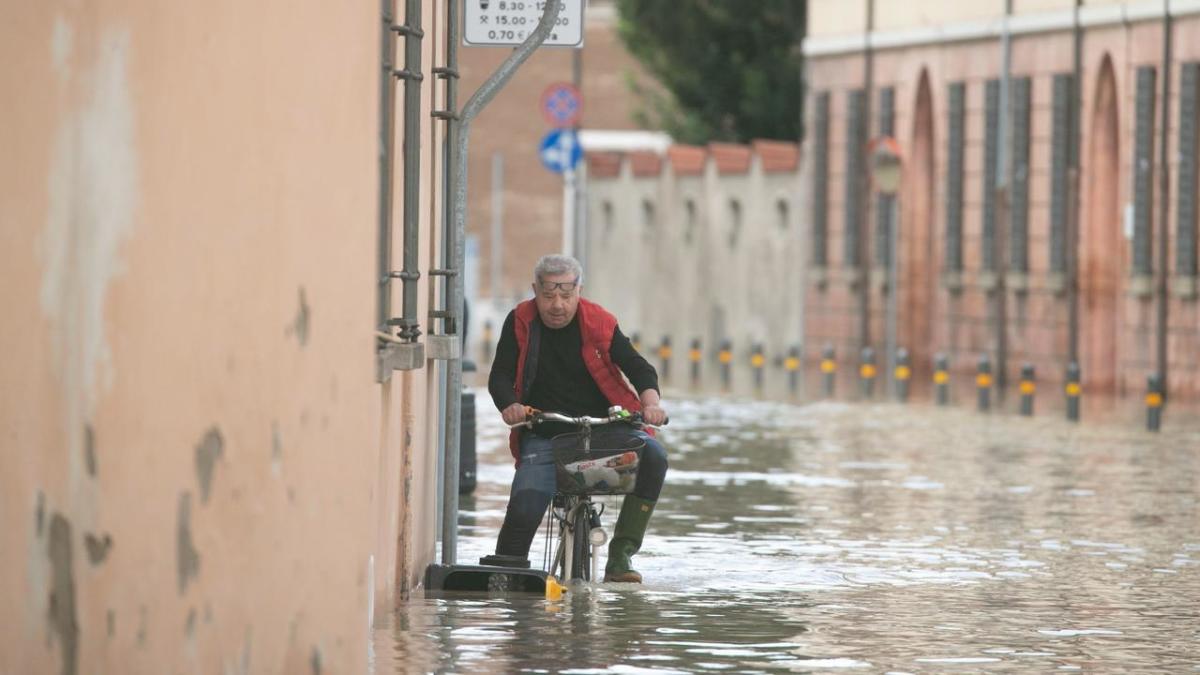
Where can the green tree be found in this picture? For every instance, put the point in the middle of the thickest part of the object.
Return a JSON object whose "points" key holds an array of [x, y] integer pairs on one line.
{"points": [[729, 70]]}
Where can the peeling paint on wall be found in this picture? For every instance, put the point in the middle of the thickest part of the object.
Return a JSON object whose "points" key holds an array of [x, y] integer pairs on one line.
{"points": [[97, 547], [186, 556], [208, 451], [89, 449], [92, 196], [299, 325], [64, 622]]}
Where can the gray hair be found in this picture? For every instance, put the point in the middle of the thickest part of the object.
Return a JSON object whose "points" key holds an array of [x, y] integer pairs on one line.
{"points": [[554, 264]]}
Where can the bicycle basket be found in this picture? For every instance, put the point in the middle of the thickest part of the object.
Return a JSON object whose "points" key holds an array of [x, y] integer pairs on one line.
{"points": [[608, 467]]}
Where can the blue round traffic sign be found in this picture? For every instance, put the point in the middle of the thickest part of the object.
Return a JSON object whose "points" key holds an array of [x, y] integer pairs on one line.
{"points": [[562, 104], [560, 150]]}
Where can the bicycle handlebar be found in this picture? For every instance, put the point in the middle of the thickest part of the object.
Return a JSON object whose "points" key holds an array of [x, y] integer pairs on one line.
{"points": [[619, 415]]}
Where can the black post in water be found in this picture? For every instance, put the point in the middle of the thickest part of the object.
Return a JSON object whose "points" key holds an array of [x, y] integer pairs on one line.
{"points": [[695, 355], [866, 373], [757, 361], [664, 358], [828, 370], [903, 374], [983, 382], [1028, 387], [1073, 389], [941, 378], [1154, 401], [792, 365], [726, 358]]}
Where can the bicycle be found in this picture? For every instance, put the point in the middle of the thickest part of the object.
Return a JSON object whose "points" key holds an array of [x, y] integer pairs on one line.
{"points": [[572, 510]]}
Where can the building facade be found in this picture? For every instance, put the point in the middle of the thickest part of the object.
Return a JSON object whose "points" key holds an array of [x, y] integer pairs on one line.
{"points": [[1032, 228], [204, 467], [700, 248]]}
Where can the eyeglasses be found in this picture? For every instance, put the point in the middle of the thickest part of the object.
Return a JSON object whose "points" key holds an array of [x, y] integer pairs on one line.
{"points": [[551, 286]]}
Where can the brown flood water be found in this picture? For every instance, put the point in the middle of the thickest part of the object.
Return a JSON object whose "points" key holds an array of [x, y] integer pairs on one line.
{"points": [[832, 537]]}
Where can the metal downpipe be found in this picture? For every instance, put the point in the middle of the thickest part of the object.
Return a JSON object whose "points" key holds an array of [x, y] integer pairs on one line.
{"points": [[458, 184], [410, 325], [385, 150]]}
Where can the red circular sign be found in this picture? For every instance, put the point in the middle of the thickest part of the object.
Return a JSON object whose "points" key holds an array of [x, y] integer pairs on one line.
{"points": [[561, 105]]}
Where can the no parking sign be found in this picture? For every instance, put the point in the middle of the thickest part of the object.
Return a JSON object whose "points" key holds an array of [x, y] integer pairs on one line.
{"points": [[561, 105]]}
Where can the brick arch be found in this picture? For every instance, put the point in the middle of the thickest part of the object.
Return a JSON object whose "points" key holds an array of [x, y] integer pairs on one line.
{"points": [[917, 271], [1101, 248]]}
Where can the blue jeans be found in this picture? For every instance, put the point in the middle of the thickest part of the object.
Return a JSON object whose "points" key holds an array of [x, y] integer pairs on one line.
{"points": [[533, 488]]}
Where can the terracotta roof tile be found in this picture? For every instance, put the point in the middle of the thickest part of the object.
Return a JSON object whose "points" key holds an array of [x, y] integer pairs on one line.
{"points": [[603, 164], [645, 163], [687, 160], [777, 156], [730, 157]]}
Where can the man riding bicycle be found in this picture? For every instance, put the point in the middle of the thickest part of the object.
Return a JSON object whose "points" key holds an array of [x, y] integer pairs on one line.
{"points": [[562, 353]]}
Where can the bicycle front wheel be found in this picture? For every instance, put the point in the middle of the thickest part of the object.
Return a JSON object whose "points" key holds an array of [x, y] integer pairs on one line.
{"points": [[581, 544]]}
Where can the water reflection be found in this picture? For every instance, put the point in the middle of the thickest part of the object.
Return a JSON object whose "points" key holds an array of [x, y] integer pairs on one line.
{"points": [[829, 537]]}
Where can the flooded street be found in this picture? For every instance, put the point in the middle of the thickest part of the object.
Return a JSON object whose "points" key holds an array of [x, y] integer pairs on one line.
{"points": [[879, 537]]}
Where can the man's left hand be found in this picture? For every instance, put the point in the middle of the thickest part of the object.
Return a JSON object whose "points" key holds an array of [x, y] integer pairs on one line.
{"points": [[654, 414]]}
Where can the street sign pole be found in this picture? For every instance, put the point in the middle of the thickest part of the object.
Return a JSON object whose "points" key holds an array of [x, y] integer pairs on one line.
{"points": [[568, 228], [458, 219]]}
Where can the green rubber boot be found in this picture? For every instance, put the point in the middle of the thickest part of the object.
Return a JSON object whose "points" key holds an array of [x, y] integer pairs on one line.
{"points": [[627, 539]]}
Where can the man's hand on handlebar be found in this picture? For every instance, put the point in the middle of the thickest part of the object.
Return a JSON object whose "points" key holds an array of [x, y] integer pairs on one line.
{"points": [[515, 414], [654, 415]]}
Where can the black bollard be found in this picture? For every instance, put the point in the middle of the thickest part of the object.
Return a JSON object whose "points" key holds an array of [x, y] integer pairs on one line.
{"points": [[1073, 390], [866, 373], [467, 460], [487, 341], [792, 365], [757, 361], [1154, 402], [695, 355], [664, 358], [941, 378], [725, 356], [903, 374], [983, 383], [1028, 387], [828, 370]]}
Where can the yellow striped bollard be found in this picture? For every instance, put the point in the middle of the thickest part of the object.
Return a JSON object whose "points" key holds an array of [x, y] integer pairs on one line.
{"points": [[983, 383], [903, 374], [867, 372], [1073, 390], [487, 340], [941, 378], [1154, 403], [1028, 388], [828, 371], [792, 365], [636, 341], [695, 356], [664, 357], [725, 356], [757, 361]]}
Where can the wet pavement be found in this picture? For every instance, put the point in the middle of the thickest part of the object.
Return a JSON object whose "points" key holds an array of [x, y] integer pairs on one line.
{"points": [[877, 537]]}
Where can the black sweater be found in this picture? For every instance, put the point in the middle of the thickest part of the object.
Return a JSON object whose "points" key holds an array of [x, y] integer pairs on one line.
{"points": [[562, 382]]}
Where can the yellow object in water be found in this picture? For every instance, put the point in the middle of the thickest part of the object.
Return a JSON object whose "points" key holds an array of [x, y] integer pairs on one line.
{"points": [[554, 590]]}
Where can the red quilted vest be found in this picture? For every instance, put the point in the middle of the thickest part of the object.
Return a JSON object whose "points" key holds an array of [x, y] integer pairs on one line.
{"points": [[596, 327]]}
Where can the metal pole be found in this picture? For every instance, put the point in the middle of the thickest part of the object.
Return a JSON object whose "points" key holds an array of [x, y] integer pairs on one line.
{"points": [[863, 225], [458, 185], [387, 93], [576, 182], [1164, 186], [568, 224], [1002, 221], [497, 222], [893, 286], [410, 326], [1074, 123]]}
